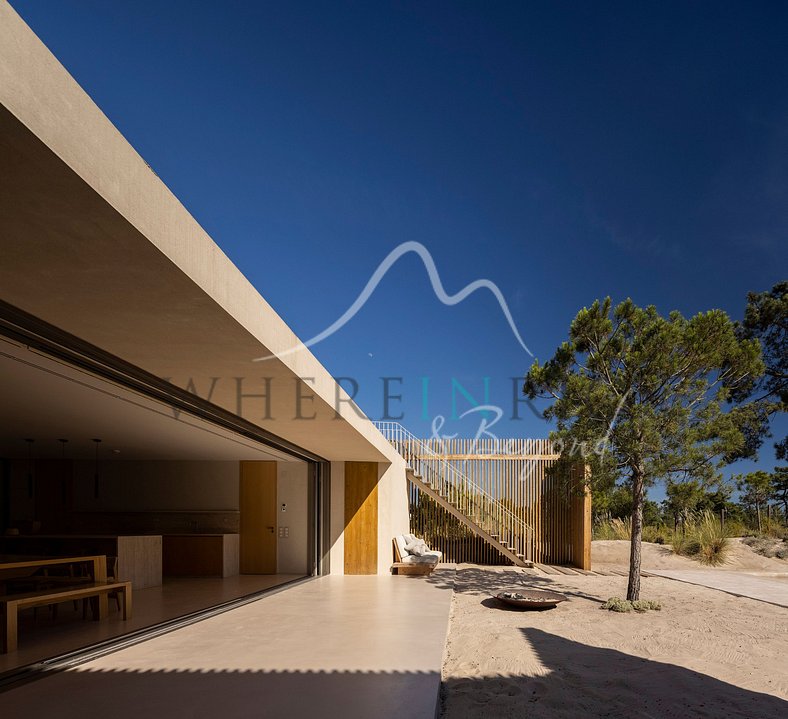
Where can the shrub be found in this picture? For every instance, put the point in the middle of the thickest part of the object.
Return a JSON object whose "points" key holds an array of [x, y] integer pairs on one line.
{"points": [[616, 604], [714, 552], [614, 529], [702, 538], [622, 529], [657, 535], [735, 528], [767, 546]]}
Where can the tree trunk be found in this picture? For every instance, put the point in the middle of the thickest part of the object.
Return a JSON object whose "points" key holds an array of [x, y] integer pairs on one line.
{"points": [[758, 510], [633, 587]]}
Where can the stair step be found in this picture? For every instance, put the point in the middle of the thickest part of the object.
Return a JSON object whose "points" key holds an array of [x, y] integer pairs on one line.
{"points": [[497, 538]]}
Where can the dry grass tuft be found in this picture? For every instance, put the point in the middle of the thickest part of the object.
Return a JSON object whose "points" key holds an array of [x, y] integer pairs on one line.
{"points": [[616, 604]]}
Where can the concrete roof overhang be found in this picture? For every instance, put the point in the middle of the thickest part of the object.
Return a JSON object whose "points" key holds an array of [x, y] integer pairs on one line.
{"points": [[93, 242], [48, 400]]}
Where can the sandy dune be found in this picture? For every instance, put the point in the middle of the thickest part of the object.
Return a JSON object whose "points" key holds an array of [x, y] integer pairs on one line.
{"points": [[657, 556], [705, 654]]}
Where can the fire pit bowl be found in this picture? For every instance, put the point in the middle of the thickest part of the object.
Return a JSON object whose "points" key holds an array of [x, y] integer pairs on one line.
{"points": [[530, 599]]}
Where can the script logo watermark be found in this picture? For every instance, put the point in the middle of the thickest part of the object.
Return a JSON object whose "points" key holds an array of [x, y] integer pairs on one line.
{"points": [[432, 272]]}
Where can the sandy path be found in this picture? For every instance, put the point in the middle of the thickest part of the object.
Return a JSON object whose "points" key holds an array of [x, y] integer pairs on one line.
{"points": [[705, 654]]}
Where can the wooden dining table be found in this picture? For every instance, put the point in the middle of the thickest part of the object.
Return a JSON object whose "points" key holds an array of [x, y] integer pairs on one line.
{"points": [[17, 567]]}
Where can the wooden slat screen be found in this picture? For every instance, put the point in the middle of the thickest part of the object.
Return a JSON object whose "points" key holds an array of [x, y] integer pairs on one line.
{"points": [[514, 473]]}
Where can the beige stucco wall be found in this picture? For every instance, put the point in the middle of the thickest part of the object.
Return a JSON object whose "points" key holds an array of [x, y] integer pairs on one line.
{"points": [[392, 510], [337, 522], [292, 489]]}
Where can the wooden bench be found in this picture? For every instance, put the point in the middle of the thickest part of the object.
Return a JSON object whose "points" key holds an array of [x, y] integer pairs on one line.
{"points": [[409, 569], [12, 603], [417, 568]]}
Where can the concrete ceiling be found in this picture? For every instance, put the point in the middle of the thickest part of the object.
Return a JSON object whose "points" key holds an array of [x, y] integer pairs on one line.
{"points": [[46, 401], [91, 241]]}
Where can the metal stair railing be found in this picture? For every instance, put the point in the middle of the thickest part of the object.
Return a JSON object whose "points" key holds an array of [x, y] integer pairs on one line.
{"points": [[484, 510]]}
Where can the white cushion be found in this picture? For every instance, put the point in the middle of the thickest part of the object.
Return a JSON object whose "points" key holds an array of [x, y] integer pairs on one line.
{"points": [[432, 557], [418, 548], [401, 544]]}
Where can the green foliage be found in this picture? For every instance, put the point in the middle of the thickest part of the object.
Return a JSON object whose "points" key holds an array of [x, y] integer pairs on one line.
{"points": [[616, 604], [780, 489], [735, 527], [616, 503], [657, 534], [756, 489], [683, 497], [621, 528], [615, 528], [700, 536], [766, 319], [703, 538], [640, 396], [612, 502]]}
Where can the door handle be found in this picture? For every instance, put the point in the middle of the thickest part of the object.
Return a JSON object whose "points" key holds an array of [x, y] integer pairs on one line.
{"points": [[271, 529]]}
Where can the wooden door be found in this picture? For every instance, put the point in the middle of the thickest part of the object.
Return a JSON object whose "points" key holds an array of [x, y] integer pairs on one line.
{"points": [[258, 518], [361, 517]]}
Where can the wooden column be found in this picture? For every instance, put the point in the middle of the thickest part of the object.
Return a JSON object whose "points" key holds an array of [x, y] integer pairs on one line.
{"points": [[581, 522], [361, 517]]}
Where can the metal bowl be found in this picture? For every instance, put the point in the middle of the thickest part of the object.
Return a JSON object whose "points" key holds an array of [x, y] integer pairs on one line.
{"points": [[530, 599]]}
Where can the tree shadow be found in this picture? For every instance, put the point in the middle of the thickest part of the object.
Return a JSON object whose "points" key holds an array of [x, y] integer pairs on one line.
{"points": [[443, 577], [487, 583], [582, 680]]}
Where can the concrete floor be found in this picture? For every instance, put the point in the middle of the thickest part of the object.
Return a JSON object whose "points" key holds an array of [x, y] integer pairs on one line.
{"points": [[336, 646], [765, 587], [45, 636]]}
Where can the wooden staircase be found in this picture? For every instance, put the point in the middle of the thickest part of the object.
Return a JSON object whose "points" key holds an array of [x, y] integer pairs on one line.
{"points": [[494, 540], [440, 480]]}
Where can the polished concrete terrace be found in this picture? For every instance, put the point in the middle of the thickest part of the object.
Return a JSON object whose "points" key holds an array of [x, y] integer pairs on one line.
{"points": [[341, 646], [43, 635]]}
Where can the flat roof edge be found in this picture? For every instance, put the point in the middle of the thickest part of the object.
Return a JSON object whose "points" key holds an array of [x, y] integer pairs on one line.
{"points": [[43, 96]]}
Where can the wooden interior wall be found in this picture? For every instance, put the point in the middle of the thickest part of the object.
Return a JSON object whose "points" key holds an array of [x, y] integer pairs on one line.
{"points": [[258, 518], [515, 472], [361, 517]]}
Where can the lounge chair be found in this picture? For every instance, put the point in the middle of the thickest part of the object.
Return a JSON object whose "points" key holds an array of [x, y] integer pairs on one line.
{"points": [[415, 560]]}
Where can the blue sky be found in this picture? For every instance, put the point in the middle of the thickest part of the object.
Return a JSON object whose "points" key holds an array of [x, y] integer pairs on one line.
{"points": [[563, 151]]}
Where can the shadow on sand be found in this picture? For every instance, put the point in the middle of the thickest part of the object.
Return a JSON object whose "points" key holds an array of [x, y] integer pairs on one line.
{"points": [[487, 582], [585, 681]]}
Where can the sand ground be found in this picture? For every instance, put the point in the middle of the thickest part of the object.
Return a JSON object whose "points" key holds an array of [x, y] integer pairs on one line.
{"points": [[706, 654]]}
